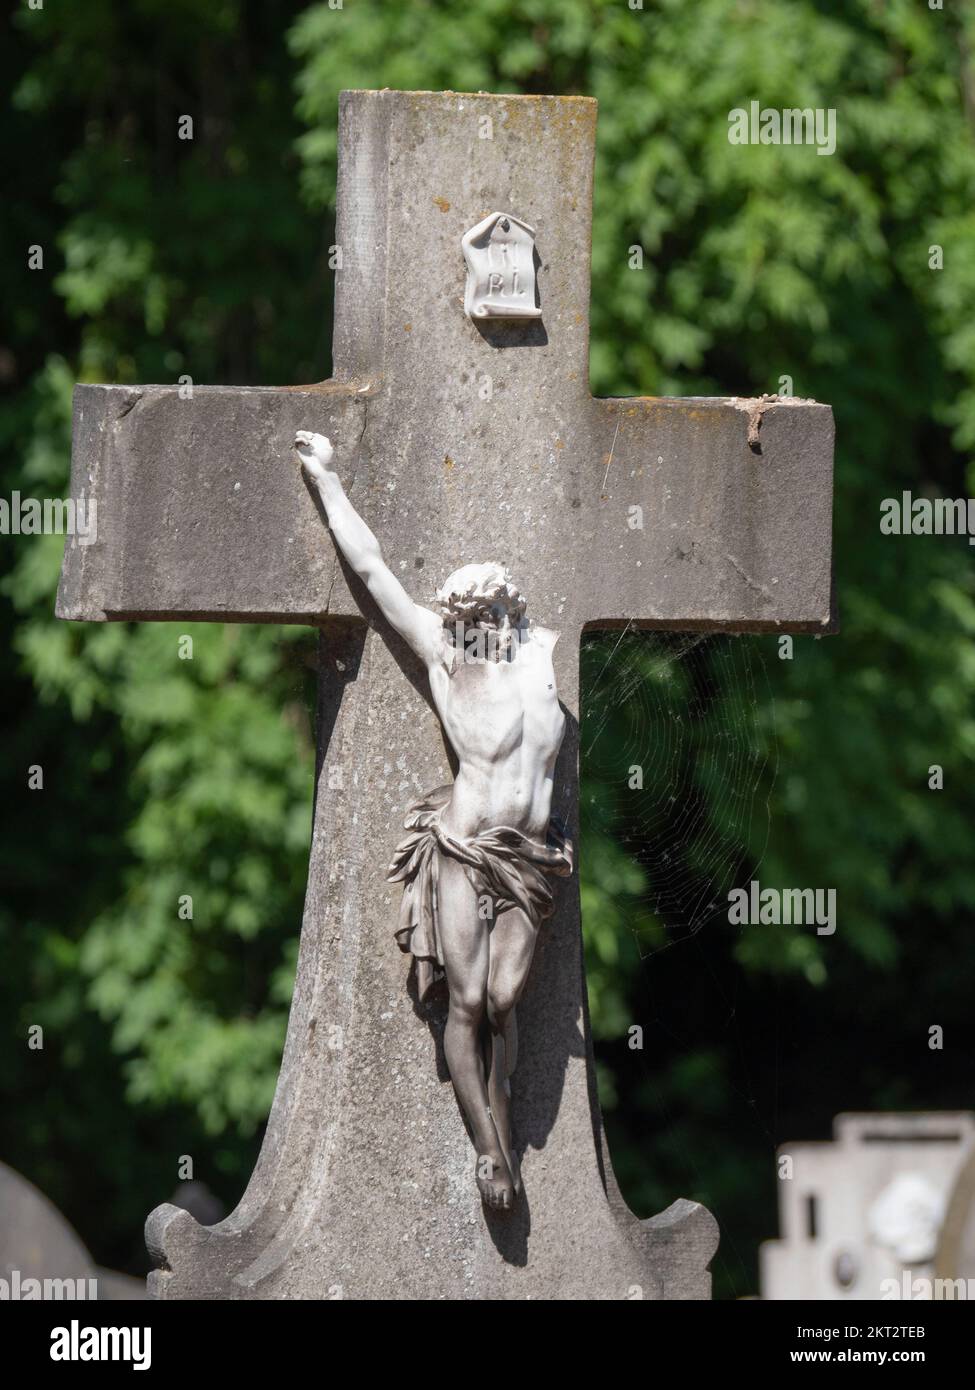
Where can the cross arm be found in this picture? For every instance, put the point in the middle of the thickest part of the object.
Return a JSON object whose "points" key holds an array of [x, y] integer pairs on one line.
{"points": [[201, 509], [710, 513]]}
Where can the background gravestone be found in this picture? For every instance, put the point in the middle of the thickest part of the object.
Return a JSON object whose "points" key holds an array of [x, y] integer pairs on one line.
{"points": [[36, 1242], [955, 1257], [866, 1207]]}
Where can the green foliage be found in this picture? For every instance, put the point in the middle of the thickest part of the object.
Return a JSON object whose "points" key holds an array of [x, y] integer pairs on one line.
{"points": [[167, 777]]}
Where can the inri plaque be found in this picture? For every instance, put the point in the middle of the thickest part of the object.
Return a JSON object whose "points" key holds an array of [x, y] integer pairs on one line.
{"points": [[500, 256]]}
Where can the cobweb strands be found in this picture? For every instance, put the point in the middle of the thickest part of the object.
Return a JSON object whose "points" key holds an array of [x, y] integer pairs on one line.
{"points": [[678, 764]]}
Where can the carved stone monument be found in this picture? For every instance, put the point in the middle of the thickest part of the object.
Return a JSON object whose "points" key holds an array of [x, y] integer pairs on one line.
{"points": [[863, 1217], [458, 438], [955, 1256]]}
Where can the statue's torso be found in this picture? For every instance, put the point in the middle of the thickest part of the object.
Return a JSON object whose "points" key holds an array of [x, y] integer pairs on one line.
{"points": [[505, 725]]}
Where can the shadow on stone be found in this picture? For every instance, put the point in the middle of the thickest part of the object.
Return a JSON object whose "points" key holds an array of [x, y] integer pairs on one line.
{"points": [[509, 1230], [512, 333], [433, 1013]]}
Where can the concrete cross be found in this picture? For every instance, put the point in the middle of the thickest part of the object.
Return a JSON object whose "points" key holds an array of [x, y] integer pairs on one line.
{"points": [[459, 439]]}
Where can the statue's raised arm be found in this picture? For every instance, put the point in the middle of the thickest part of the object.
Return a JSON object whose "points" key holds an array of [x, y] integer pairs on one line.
{"points": [[422, 629]]}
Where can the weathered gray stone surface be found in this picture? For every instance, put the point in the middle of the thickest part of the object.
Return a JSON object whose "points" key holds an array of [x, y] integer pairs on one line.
{"points": [[364, 1182]]}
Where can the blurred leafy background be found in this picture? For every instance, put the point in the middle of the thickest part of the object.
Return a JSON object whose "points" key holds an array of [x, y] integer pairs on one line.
{"points": [[209, 257]]}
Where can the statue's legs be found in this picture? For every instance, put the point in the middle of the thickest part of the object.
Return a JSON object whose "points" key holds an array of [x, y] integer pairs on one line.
{"points": [[512, 946], [464, 940]]}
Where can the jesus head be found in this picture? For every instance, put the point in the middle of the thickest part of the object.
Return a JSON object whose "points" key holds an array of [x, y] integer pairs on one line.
{"points": [[481, 596]]}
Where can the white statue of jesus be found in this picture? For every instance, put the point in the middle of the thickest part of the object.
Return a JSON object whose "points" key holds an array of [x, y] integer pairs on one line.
{"points": [[486, 841]]}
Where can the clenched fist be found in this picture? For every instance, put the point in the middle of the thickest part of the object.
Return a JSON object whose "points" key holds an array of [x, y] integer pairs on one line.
{"points": [[316, 453]]}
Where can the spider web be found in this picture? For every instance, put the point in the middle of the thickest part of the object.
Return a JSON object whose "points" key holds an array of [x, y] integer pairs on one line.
{"points": [[679, 761]]}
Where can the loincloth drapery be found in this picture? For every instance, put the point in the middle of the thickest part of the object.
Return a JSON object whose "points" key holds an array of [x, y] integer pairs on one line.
{"points": [[509, 867]]}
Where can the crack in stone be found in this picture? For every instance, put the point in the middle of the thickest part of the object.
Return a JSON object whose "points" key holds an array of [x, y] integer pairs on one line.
{"points": [[759, 588], [129, 406]]}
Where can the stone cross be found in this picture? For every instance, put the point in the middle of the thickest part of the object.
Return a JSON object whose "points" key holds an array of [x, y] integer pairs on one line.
{"points": [[459, 438]]}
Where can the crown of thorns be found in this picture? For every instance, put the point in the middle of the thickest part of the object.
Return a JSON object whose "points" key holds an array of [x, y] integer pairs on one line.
{"points": [[469, 591]]}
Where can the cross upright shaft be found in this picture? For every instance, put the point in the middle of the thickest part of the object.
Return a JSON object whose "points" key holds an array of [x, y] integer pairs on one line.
{"points": [[458, 441]]}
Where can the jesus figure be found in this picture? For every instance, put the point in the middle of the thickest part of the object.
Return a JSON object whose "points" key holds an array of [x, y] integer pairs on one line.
{"points": [[477, 862]]}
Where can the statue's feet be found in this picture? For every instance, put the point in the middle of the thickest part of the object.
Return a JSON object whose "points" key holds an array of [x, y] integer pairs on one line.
{"points": [[514, 1167], [494, 1182]]}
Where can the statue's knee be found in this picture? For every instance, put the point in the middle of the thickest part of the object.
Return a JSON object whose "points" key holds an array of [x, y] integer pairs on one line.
{"points": [[466, 1006], [500, 1003]]}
